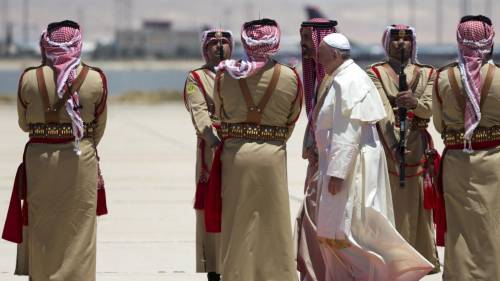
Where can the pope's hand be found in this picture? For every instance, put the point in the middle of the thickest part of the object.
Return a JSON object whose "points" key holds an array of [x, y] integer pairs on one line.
{"points": [[335, 185]]}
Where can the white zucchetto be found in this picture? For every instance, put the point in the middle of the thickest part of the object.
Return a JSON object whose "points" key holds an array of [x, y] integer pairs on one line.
{"points": [[338, 41]]}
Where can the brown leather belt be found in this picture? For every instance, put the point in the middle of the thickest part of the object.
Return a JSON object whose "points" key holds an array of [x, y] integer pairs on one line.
{"points": [[253, 131], [481, 134], [58, 130]]}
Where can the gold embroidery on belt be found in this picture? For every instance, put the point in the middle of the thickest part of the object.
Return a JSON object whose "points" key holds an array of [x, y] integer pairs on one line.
{"points": [[58, 130], [416, 123], [481, 134], [253, 131]]}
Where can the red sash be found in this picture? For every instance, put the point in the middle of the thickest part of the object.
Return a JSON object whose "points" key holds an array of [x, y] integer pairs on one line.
{"points": [[213, 199], [202, 184], [13, 228], [17, 214]]}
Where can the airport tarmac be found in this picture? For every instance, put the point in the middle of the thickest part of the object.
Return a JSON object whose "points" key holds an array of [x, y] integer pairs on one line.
{"points": [[147, 159]]}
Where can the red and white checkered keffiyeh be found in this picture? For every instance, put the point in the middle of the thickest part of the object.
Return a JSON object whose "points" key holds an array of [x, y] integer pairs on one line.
{"points": [[260, 41], [475, 42], [313, 72], [386, 40], [62, 49], [205, 40]]}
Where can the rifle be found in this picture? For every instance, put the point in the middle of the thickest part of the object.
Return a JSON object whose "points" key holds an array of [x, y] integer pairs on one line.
{"points": [[221, 49], [402, 112]]}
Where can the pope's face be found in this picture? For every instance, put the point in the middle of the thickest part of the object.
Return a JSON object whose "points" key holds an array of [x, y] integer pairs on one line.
{"points": [[307, 44], [325, 55], [399, 42]]}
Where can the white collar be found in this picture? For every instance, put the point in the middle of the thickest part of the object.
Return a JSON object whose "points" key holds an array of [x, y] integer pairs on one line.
{"points": [[343, 66]]}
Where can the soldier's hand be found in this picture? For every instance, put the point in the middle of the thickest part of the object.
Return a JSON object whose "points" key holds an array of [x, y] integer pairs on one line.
{"points": [[335, 185], [406, 99]]}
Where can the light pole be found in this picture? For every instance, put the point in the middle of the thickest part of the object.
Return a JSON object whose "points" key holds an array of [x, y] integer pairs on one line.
{"points": [[26, 15], [489, 8], [465, 7], [390, 12], [412, 5], [439, 22]]}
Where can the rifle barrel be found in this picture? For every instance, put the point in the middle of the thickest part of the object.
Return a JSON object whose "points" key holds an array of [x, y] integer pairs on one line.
{"points": [[402, 112]]}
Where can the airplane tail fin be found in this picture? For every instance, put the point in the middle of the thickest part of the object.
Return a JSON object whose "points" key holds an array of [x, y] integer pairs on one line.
{"points": [[313, 12]]}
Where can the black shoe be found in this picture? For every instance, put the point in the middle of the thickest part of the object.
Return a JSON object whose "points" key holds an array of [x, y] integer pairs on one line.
{"points": [[212, 276], [436, 269]]}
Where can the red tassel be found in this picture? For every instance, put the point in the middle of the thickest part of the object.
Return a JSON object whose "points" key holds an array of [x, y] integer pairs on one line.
{"points": [[439, 212], [434, 194], [102, 208], [202, 185], [213, 199], [201, 191], [13, 228], [440, 221], [428, 192]]}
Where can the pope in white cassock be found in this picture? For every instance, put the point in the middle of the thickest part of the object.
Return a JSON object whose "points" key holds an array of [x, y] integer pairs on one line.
{"points": [[355, 217]]}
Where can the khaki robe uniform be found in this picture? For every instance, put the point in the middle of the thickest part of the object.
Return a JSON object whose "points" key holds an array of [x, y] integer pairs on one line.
{"points": [[471, 186], [62, 186], [256, 237], [309, 259], [413, 222], [198, 96]]}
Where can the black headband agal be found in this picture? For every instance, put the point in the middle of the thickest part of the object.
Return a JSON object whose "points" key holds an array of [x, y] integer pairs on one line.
{"points": [[218, 34], [480, 18], [326, 25], [260, 22], [65, 23]]}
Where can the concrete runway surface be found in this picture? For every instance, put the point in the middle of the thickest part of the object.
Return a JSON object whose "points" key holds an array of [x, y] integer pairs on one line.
{"points": [[148, 155]]}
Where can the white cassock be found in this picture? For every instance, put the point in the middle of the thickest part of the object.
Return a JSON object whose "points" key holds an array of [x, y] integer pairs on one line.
{"points": [[356, 226]]}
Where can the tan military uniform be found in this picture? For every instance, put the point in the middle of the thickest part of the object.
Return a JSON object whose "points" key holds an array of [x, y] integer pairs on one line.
{"points": [[61, 186], [256, 232], [198, 97], [413, 222], [471, 181]]}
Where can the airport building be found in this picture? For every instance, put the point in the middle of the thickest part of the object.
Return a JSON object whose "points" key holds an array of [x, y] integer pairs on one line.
{"points": [[157, 39]]}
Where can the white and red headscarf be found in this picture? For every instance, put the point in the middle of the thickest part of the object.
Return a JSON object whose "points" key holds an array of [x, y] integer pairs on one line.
{"points": [[313, 72], [386, 40], [475, 43], [61, 48], [215, 34], [261, 40]]}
